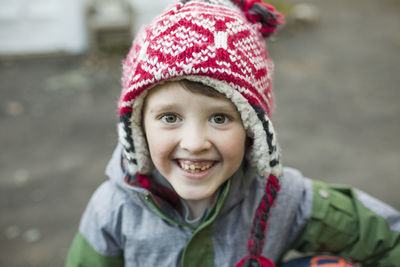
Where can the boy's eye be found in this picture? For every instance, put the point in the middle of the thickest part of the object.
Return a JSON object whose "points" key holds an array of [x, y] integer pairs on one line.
{"points": [[219, 119], [169, 118]]}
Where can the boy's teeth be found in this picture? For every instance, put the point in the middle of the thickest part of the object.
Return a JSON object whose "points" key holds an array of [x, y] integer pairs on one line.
{"points": [[194, 167]]}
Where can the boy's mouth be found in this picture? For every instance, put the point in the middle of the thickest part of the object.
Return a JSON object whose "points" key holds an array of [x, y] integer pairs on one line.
{"points": [[195, 166]]}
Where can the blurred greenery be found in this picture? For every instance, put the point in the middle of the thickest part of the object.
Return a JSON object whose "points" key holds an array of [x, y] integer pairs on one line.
{"points": [[282, 6]]}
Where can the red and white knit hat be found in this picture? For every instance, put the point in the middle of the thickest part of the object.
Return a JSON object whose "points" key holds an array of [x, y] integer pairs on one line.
{"points": [[221, 44], [215, 43]]}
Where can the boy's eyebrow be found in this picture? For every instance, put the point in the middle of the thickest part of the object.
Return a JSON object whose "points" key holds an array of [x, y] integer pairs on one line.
{"points": [[220, 106], [223, 109], [224, 106], [162, 107]]}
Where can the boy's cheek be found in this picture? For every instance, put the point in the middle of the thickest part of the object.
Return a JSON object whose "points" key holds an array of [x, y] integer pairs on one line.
{"points": [[160, 147]]}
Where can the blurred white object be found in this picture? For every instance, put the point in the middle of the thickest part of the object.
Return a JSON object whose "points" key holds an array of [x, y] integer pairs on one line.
{"points": [[41, 26], [306, 13], [50, 26]]}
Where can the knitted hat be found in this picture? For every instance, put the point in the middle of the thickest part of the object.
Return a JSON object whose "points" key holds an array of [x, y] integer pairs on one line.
{"points": [[220, 44]]}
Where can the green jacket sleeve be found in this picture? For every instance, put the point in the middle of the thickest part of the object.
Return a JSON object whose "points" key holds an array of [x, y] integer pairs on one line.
{"points": [[343, 224], [82, 254]]}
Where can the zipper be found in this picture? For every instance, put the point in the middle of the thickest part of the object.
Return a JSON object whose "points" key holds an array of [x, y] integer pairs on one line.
{"points": [[209, 220]]}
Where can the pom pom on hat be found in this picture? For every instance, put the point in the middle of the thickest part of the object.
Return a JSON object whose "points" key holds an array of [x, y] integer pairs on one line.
{"points": [[263, 13]]}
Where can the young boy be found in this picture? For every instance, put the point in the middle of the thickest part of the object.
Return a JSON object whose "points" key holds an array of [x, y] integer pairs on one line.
{"points": [[197, 179]]}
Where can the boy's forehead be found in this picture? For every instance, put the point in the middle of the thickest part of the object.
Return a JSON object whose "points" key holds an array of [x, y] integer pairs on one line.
{"points": [[173, 98], [172, 89]]}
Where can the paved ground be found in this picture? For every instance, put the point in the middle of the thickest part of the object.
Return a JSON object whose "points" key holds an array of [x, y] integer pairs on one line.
{"points": [[338, 119]]}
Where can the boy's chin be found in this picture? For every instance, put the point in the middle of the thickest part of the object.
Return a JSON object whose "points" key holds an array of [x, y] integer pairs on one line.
{"points": [[194, 195]]}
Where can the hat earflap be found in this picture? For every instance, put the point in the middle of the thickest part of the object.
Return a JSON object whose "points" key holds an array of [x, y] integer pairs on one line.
{"points": [[133, 139]]}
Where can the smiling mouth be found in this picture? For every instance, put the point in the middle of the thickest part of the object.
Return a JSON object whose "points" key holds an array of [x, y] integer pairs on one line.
{"points": [[195, 166]]}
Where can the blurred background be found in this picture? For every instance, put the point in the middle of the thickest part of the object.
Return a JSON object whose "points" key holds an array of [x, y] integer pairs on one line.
{"points": [[336, 84]]}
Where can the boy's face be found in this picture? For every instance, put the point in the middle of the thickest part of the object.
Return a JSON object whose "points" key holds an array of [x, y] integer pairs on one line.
{"points": [[196, 141]]}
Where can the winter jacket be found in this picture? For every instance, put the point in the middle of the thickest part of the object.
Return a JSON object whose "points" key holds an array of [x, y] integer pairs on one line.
{"points": [[125, 225]]}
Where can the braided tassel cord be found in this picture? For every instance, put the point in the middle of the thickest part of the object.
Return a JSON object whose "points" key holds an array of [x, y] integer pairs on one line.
{"points": [[258, 231]]}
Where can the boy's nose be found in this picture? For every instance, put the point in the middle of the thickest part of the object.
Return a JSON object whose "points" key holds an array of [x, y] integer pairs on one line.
{"points": [[195, 140]]}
